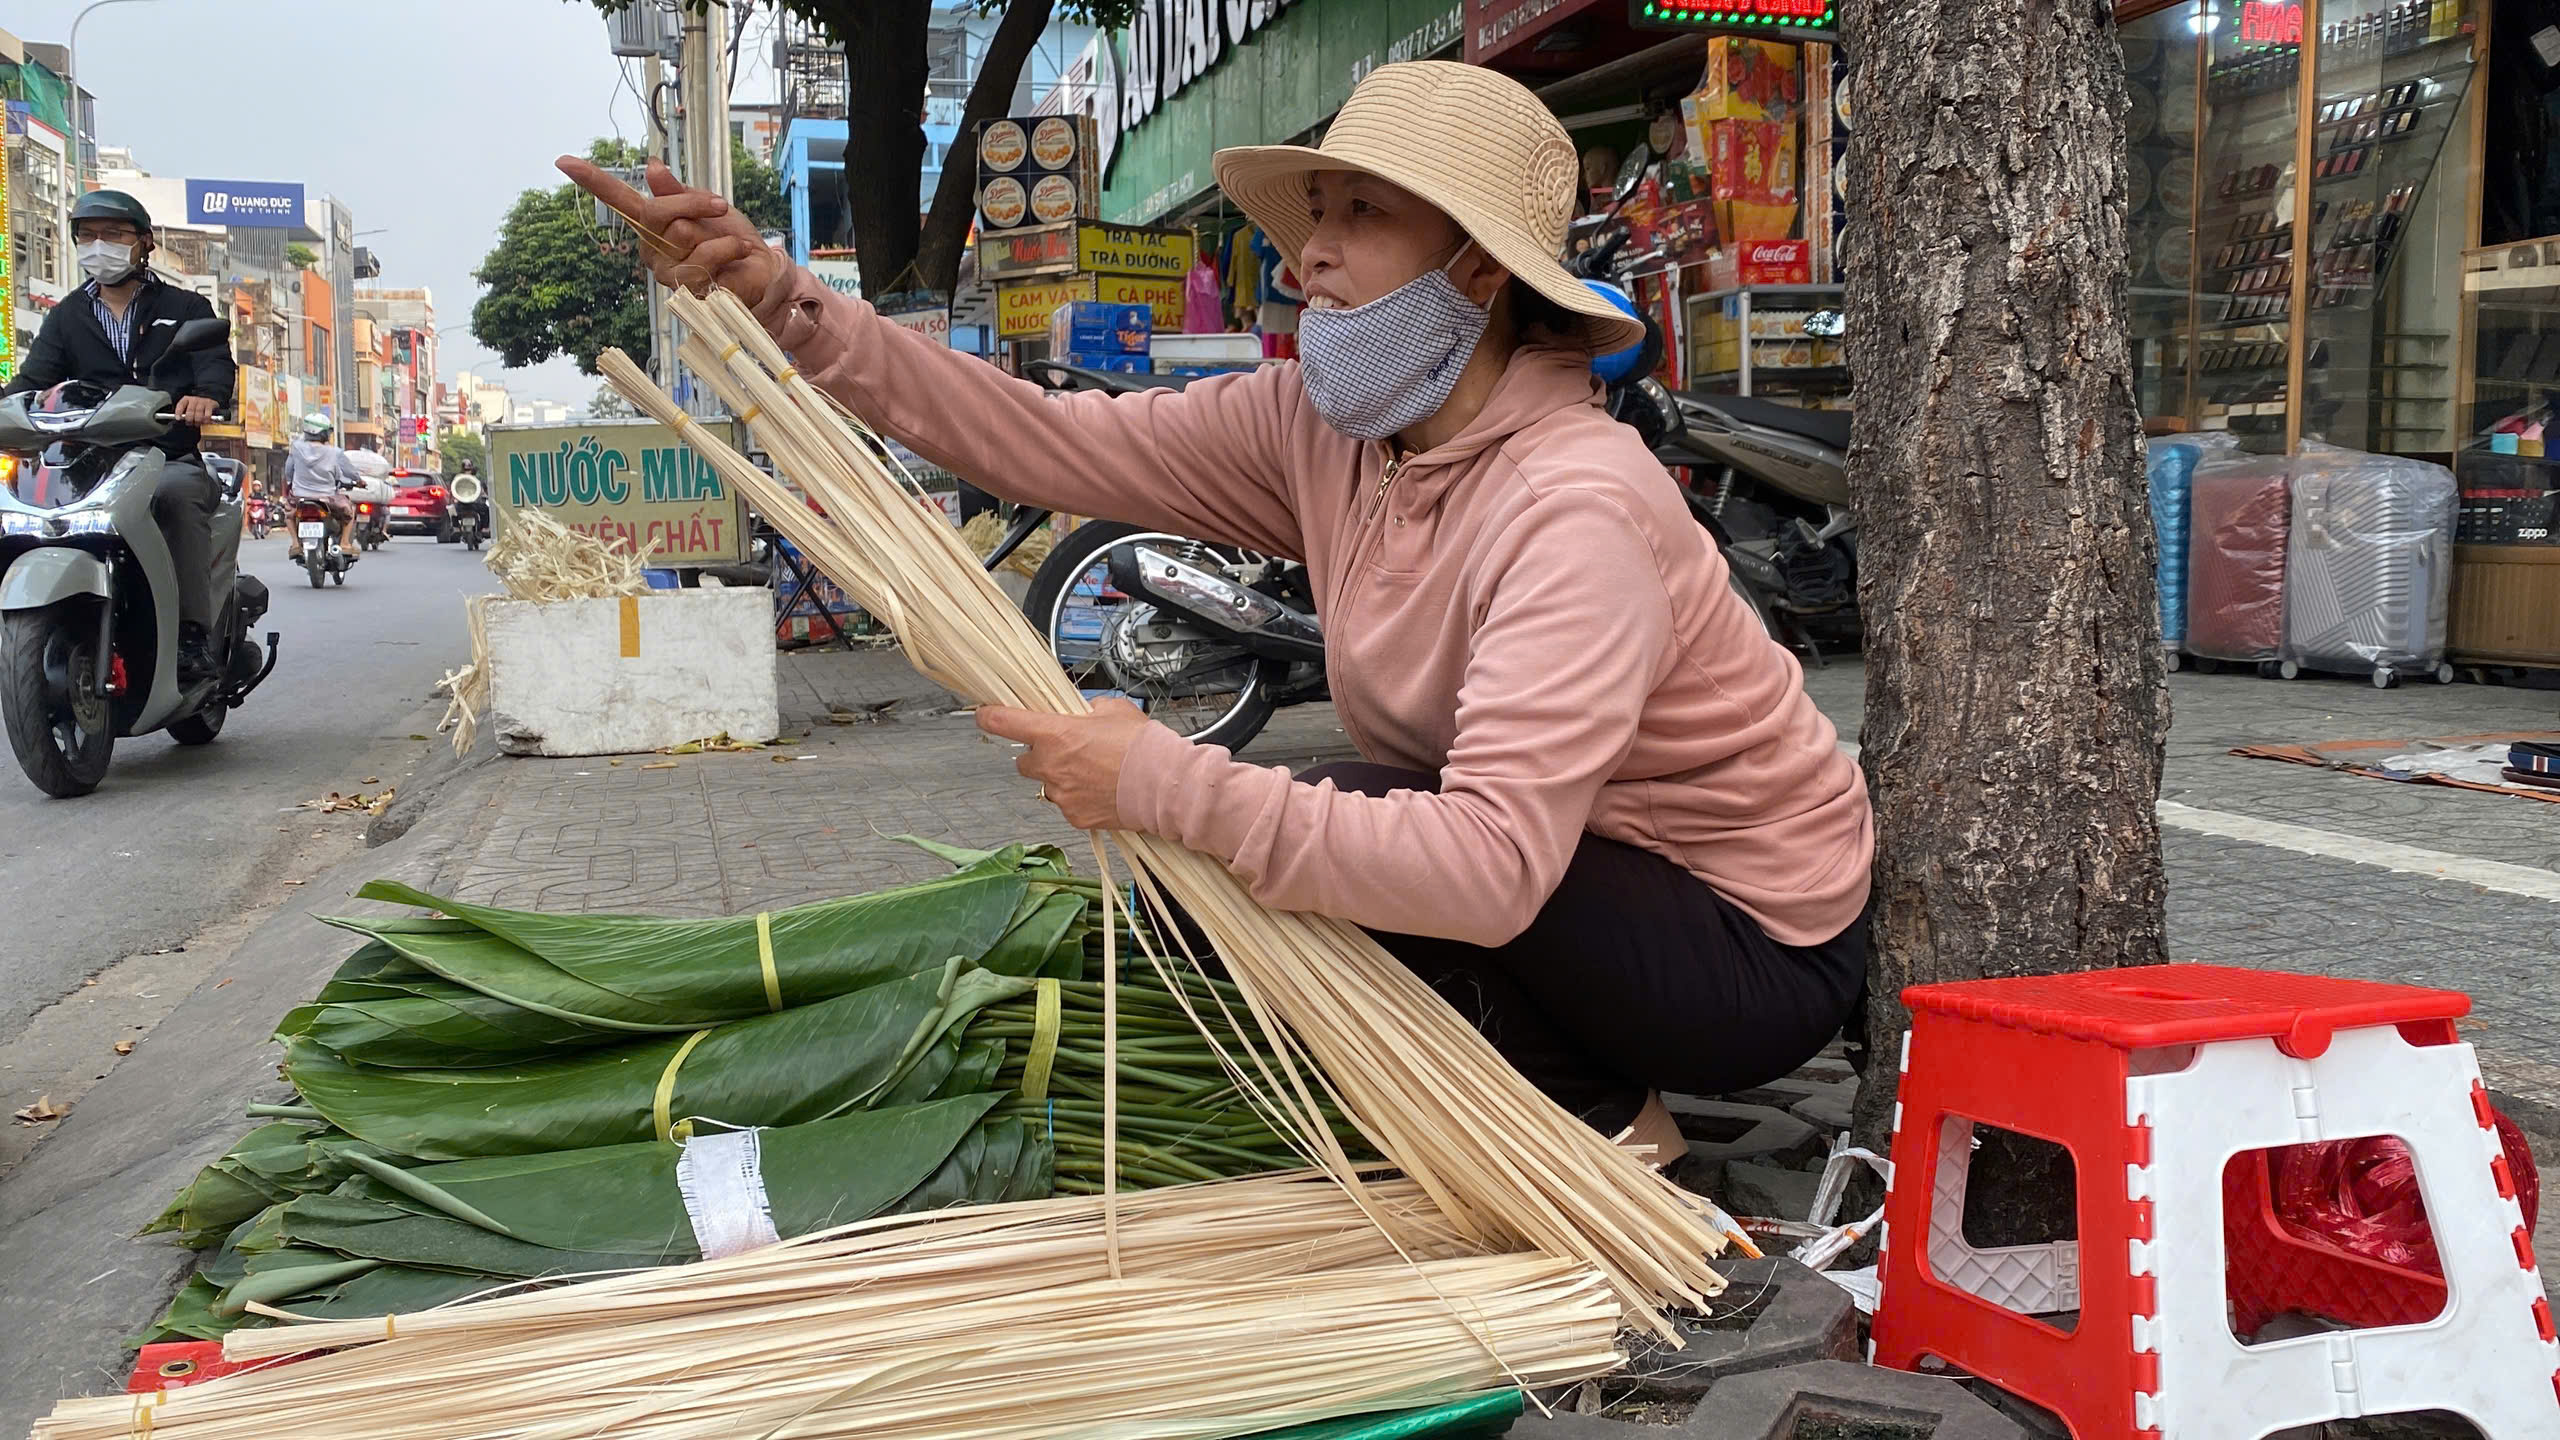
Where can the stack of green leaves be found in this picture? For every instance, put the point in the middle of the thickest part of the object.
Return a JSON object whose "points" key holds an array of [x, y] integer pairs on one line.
{"points": [[493, 1097]]}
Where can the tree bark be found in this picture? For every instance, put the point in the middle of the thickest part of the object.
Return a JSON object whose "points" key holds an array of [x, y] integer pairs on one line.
{"points": [[884, 66], [955, 197], [2016, 703]]}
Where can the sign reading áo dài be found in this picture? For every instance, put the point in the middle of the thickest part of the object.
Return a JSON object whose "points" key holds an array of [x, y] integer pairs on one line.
{"points": [[627, 481]]}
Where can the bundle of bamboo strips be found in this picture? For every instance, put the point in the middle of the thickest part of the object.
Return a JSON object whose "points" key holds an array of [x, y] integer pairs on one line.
{"points": [[994, 1321], [1083, 1359], [1505, 1166]]}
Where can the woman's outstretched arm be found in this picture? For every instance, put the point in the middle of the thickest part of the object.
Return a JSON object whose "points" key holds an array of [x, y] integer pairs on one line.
{"points": [[1205, 461]]}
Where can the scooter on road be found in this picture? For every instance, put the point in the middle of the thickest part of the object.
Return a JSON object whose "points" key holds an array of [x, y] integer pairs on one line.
{"points": [[89, 590]]}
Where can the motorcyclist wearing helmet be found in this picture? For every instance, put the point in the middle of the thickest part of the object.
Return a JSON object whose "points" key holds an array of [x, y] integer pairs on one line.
{"points": [[315, 469], [113, 331]]}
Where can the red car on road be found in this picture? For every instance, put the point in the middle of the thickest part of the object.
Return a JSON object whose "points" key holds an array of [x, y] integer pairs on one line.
{"points": [[421, 505]]}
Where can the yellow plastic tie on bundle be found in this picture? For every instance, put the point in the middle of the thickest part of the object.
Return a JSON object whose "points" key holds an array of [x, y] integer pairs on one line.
{"points": [[1044, 1040], [142, 1407], [789, 374], [390, 1331], [750, 417], [731, 353], [667, 1092], [764, 957]]}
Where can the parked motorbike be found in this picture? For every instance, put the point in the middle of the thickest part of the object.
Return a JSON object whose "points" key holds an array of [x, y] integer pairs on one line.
{"points": [[469, 512], [1209, 639], [1777, 493], [324, 554], [88, 590]]}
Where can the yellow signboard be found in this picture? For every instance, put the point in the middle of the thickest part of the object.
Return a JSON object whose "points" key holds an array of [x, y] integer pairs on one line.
{"points": [[1023, 308], [1128, 250], [626, 481], [258, 406], [1162, 296], [1086, 246]]}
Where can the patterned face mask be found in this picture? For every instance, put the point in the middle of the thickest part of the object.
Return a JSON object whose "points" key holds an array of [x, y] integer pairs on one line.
{"points": [[1378, 369]]}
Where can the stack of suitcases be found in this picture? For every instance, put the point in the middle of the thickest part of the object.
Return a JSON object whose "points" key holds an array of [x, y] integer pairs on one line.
{"points": [[2332, 559]]}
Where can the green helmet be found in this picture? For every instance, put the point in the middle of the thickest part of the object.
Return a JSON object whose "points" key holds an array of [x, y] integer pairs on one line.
{"points": [[317, 424], [111, 205]]}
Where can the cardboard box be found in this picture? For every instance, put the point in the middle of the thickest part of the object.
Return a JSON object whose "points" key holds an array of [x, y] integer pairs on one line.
{"points": [[1100, 327], [1760, 262], [1126, 364], [1750, 80], [1037, 170], [1753, 161]]}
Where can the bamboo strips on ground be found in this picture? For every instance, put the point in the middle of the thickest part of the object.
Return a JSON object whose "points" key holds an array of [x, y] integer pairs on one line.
{"points": [[1166, 1358], [1507, 1167]]}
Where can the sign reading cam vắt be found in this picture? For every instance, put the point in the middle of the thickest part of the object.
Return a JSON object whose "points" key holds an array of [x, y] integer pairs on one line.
{"points": [[626, 481]]}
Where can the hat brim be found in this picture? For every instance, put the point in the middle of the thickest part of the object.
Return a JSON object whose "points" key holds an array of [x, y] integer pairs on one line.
{"points": [[1269, 184]]}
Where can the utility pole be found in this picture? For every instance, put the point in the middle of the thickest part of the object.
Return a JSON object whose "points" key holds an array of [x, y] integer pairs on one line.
{"points": [[702, 97]]}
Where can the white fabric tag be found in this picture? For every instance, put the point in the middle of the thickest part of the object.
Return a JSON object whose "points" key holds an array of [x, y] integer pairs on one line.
{"points": [[721, 1177], [2546, 43]]}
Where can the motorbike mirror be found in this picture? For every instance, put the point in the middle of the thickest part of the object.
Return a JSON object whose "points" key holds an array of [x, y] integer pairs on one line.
{"points": [[1631, 174], [1826, 325], [201, 334]]}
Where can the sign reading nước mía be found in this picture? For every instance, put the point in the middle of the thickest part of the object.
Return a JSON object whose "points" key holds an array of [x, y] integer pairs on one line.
{"points": [[630, 482]]}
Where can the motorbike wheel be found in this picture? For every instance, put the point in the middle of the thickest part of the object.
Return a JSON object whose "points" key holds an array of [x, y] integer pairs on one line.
{"points": [[471, 539], [202, 728], [62, 729], [1228, 717], [445, 532], [312, 561]]}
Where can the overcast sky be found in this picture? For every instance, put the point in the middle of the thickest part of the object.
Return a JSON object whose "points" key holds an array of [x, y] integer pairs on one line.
{"points": [[427, 117]]}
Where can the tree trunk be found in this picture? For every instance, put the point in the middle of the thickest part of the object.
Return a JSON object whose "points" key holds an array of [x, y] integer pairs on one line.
{"points": [[2016, 704], [884, 68], [955, 198]]}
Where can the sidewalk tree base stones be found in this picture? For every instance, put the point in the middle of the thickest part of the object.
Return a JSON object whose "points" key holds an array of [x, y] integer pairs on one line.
{"points": [[1841, 1400], [1773, 1313]]}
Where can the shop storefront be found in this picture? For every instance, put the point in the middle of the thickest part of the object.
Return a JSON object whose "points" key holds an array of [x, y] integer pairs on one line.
{"points": [[2344, 228]]}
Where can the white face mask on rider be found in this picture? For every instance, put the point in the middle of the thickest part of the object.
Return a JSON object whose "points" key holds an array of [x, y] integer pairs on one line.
{"points": [[105, 261]]}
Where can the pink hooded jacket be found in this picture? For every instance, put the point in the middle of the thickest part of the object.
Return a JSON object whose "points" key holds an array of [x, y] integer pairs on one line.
{"points": [[1528, 610]]}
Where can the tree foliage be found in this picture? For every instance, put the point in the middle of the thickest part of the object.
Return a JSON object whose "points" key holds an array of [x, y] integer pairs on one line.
{"points": [[301, 256], [756, 189], [557, 283], [608, 404], [459, 446]]}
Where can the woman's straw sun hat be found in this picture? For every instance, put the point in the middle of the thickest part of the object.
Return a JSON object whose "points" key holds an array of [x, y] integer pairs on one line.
{"points": [[1474, 143]]}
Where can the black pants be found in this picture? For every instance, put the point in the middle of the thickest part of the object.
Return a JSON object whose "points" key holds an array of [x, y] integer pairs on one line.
{"points": [[1636, 976], [183, 503]]}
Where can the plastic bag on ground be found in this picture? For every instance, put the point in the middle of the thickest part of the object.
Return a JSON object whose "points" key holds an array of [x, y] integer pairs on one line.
{"points": [[2361, 1196]]}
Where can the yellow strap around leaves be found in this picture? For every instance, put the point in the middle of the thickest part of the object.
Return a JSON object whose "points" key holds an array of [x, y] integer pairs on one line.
{"points": [[666, 1097], [1044, 1041], [764, 957]]}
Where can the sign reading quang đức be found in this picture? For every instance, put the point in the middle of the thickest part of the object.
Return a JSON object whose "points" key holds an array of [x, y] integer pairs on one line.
{"points": [[626, 482]]}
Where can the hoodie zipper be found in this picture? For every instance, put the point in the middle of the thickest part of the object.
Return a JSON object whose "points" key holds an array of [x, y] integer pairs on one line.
{"points": [[1386, 478]]}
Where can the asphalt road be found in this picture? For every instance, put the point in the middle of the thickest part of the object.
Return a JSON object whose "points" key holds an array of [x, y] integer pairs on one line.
{"points": [[172, 840]]}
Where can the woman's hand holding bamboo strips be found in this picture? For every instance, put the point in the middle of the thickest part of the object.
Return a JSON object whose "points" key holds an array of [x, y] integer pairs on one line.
{"points": [[693, 238], [1076, 758]]}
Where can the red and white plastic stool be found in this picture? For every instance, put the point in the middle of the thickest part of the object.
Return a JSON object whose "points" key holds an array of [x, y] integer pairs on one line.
{"points": [[2155, 1079]]}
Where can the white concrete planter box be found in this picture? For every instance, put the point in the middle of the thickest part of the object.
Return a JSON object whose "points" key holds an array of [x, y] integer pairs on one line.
{"points": [[621, 676]]}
